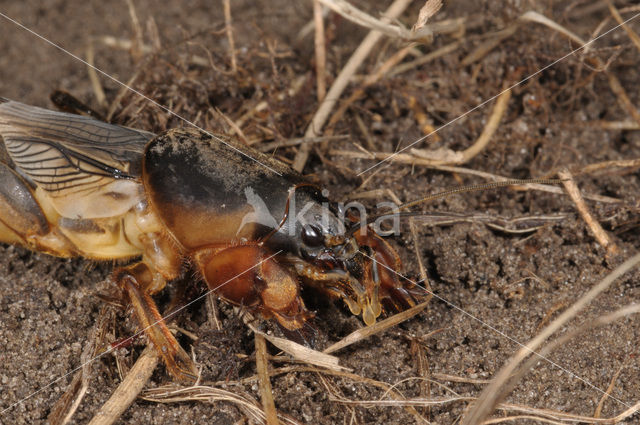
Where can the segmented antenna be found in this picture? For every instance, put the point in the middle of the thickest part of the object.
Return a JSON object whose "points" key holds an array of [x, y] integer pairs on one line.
{"points": [[455, 190], [477, 187]]}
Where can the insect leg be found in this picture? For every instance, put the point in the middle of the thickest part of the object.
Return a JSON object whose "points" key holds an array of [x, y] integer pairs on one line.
{"points": [[22, 220], [383, 265], [246, 275], [19, 212], [136, 280]]}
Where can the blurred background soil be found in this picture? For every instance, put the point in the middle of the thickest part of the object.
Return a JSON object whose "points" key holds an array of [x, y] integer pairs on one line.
{"points": [[492, 279]]}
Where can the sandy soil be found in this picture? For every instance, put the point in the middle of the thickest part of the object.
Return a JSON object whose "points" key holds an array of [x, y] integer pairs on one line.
{"points": [[495, 289]]}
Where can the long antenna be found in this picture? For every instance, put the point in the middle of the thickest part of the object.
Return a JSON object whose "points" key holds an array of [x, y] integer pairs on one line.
{"points": [[477, 187], [455, 190]]}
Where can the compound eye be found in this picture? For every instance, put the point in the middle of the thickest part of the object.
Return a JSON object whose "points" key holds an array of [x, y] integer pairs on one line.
{"points": [[312, 236]]}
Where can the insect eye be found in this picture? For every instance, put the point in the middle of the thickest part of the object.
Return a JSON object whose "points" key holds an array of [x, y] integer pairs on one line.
{"points": [[312, 236]]}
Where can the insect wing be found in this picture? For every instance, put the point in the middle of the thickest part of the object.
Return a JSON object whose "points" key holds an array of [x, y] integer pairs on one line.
{"points": [[87, 168]]}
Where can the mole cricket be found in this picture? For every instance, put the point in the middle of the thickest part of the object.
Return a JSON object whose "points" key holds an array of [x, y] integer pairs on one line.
{"points": [[253, 229], [264, 263]]}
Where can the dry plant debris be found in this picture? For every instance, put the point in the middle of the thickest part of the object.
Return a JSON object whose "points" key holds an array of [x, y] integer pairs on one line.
{"points": [[245, 73]]}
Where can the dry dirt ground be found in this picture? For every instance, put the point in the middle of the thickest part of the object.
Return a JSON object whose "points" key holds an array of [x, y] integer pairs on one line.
{"points": [[495, 288]]}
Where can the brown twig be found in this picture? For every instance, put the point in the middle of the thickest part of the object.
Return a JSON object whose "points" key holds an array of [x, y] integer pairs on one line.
{"points": [[605, 21], [619, 163], [595, 227], [617, 125], [447, 156], [300, 352], [623, 98], [429, 57], [229, 29], [121, 43], [266, 394], [66, 405], [421, 362], [462, 379], [378, 327], [320, 50], [489, 129], [212, 311], [630, 32], [138, 42], [128, 390], [418, 251], [124, 90], [101, 98], [607, 393], [483, 49], [235, 128], [154, 35]]}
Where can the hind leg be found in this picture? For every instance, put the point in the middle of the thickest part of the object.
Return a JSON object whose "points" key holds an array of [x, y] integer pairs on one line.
{"points": [[136, 281], [22, 220]]}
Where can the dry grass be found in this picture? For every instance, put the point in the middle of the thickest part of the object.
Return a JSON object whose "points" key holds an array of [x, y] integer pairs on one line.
{"points": [[253, 122]]}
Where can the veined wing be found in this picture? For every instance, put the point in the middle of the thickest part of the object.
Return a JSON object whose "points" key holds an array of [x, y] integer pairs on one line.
{"points": [[87, 168]]}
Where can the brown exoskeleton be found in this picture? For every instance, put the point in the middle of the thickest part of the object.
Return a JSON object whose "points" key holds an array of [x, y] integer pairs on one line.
{"points": [[252, 228]]}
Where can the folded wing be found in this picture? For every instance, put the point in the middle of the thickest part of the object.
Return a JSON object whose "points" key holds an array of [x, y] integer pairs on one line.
{"points": [[87, 168]]}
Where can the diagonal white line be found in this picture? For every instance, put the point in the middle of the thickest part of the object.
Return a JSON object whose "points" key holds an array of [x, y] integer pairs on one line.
{"points": [[271, 169], [135, 335], [497, 95], [57, 46], [499, 332]]}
